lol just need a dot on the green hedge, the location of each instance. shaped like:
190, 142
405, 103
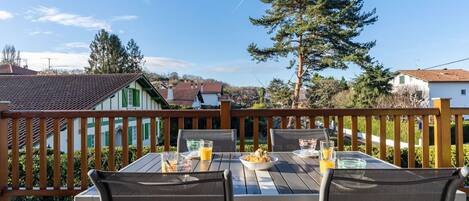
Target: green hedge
132, 157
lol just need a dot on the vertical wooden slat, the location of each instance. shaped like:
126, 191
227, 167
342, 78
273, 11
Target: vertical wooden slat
298, 122
312, 122
442, 134
326, 121
411, 140
139, 138
269, 126
284, 122
425, 142
3, 152
153, 134
181, 123
97, 143
340, 133
70, 154
112, 163
397, 140
354, 133
166, 133
57, 161
125, 141
29, 154
195, 123
15, 155
209, 123
242, 133
84, 153
42, 154
382, 137
368, 131
459, 141
255, 132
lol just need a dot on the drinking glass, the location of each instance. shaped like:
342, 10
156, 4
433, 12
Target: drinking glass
174, 162
351, 163
205, 150
305, 145
192, 145
327, 156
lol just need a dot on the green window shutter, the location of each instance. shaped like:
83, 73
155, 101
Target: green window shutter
124, 97
106, 138
129, 136
136, 97
90, 140
146, 129
401, 79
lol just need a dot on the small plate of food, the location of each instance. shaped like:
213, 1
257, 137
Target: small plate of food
259, 160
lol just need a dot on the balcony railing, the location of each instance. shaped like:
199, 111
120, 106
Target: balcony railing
41, 121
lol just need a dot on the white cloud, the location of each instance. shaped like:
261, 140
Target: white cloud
4, 15
34, 33
49, 14
124, 18
73, 45
225, 69
39, 61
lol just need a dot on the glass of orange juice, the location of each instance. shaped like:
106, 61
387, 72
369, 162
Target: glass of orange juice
205, 150
327, 156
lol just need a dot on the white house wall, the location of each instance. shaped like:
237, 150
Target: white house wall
114, 102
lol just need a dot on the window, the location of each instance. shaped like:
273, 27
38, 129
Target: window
463, 92
130, 97
130, 135
106, 138
401, 79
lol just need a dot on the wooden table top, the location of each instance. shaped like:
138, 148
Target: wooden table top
291, 176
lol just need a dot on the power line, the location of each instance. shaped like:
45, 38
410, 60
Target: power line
452, 62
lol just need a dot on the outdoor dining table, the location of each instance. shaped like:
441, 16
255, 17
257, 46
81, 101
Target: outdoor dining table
291, 178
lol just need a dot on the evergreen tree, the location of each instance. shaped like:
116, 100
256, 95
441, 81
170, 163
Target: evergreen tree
108, 55
135, 57
279, 93
314, 35
372, 83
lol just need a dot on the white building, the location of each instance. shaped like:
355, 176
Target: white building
446, 83
212, 92
184, 97
83, 92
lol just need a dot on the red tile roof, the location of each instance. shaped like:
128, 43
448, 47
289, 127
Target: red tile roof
205, 87
182, 96
449, 75
8, 69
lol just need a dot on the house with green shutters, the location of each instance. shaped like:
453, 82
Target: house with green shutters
83, 92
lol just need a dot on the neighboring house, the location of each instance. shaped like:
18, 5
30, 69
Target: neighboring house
186, 97
82, 92
8, 69
445, 83
212, 92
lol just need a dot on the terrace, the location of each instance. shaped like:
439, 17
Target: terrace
58, 173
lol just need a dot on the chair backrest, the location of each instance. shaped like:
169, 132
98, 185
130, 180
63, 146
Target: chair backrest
391, 184
287, 139
224, 140
132, 186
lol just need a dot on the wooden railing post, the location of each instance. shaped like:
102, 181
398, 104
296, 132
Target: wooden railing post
3, 152
442, 134
225, 114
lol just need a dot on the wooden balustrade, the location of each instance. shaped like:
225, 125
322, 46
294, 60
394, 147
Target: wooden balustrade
262, 120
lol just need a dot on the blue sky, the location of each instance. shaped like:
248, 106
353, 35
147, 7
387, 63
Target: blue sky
209, 37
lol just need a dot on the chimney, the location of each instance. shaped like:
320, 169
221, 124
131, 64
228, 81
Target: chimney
192, 85
170, 95
202, 87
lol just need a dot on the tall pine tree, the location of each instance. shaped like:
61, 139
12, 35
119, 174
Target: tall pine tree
135, 57
314, 35
108, 55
